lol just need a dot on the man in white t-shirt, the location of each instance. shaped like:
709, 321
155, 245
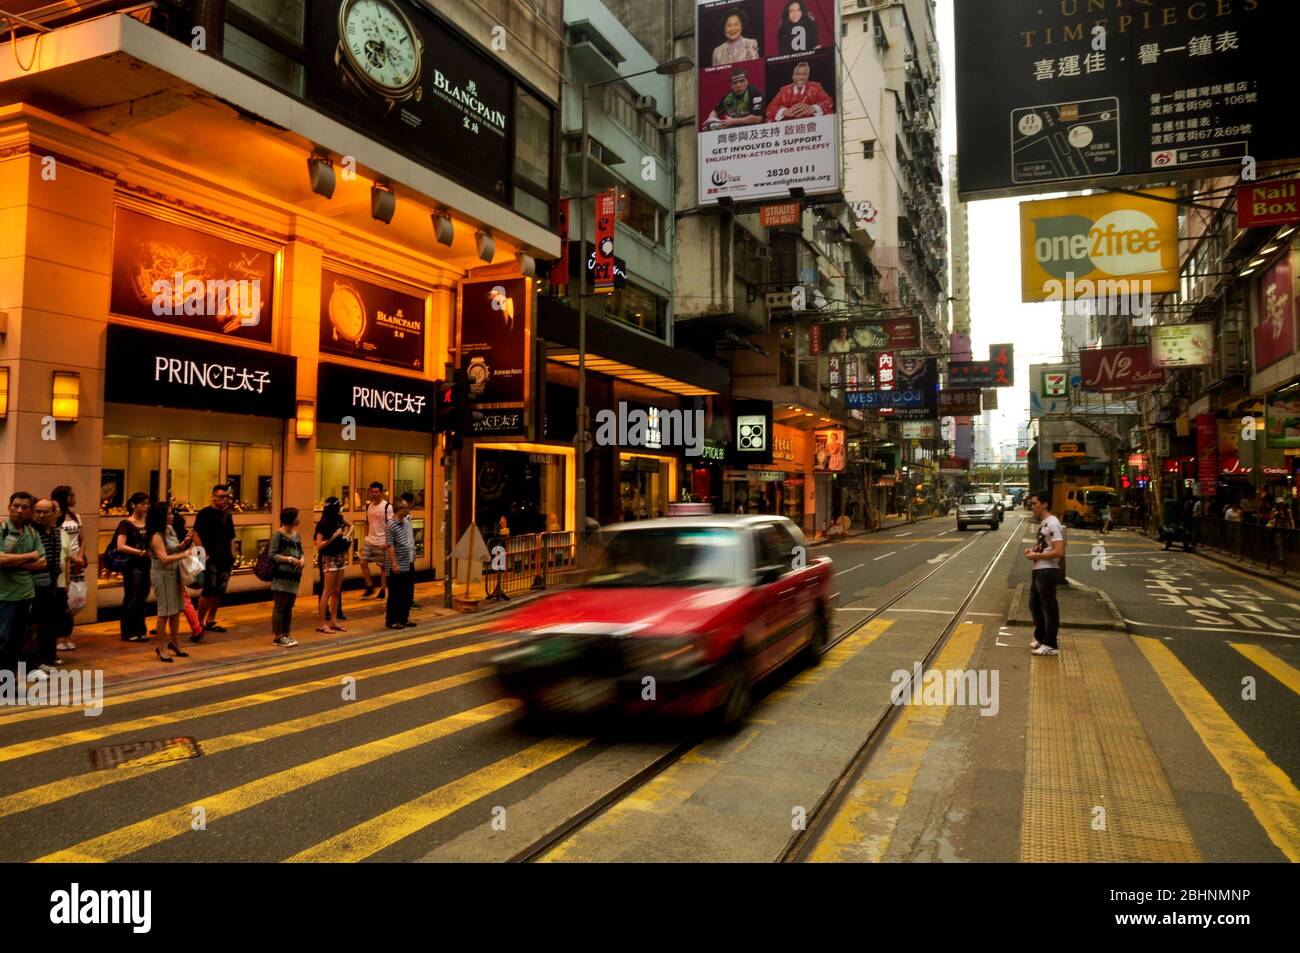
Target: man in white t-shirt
374, 548
1046, 555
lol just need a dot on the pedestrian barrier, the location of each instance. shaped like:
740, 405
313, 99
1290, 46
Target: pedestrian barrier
1273, 547
533, 562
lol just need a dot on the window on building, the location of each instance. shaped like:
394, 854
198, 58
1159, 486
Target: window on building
644, 217
638, 307
869, 148
265, 38
533, 133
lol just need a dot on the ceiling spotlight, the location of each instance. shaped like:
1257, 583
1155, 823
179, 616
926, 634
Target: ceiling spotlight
383, 202
1269, 250
321, 173
527, 264
443, 230
1286, 233
485, 245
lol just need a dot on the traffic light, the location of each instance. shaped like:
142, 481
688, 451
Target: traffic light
454, 414
445, 406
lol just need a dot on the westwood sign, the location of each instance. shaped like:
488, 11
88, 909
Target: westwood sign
1117, 369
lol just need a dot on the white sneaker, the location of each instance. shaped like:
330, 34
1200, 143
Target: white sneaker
66, 646
1034, 643
1046, 650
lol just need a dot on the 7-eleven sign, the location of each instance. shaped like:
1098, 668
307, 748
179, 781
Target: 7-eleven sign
1054, 384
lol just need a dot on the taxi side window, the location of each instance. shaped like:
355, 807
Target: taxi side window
768, 552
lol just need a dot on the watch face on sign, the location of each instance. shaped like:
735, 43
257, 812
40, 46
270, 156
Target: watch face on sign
751, 432
381, 46
347, 313
478, 374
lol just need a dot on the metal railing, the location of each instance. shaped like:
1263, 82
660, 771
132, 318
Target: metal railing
1272, 547
533, 562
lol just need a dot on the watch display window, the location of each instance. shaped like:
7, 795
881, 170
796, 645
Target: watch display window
417, 530
248, 472
130, 465
371, 468
193, 468
409, 478
251, 540
333, 476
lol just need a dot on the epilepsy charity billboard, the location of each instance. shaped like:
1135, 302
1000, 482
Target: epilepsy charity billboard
768, 98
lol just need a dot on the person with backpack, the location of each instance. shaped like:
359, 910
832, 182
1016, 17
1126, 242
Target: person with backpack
285, 551
374, 548
129, 555
333, 537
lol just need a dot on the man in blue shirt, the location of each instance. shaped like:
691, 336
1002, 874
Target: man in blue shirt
400, 561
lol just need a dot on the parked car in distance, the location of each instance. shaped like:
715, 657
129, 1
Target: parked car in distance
678, 617
978, 508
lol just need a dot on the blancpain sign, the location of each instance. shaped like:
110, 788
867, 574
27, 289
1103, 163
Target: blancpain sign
466, 98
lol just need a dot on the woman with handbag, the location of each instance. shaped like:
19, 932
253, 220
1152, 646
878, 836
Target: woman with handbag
132, 555
166, 551
74, 561
333, 536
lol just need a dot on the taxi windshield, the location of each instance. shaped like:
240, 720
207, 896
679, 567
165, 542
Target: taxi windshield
971, 499
694, 556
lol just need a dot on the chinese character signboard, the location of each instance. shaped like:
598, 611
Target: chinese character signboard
602, 267
1178, 87
960, 402
846, 337
1075, 248
885, 370
1182, 345
1111, 369
918, 430
1275, 332
768, 98
997, 371
1268, 203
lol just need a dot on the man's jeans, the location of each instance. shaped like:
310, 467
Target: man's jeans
1042, 604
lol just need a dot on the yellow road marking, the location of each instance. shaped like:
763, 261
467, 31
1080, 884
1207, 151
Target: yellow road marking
230, 678
1284, 673
65, 788
863, 827
25, 749
372, 836
676, 785
175, 822
1265, 788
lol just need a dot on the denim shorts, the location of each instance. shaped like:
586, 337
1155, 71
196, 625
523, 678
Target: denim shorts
215, 581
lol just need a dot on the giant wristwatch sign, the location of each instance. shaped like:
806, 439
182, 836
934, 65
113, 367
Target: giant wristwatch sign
394, 69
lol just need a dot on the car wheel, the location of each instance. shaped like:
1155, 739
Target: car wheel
736, 696
812, 653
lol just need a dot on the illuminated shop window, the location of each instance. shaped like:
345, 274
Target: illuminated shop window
333, 476
193, 468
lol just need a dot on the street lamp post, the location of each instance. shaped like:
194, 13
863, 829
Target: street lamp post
678, 65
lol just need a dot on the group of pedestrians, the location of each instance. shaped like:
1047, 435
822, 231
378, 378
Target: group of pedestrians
43, 583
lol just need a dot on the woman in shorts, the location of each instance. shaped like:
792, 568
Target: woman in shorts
333, 540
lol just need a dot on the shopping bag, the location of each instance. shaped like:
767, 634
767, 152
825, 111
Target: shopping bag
194, 563
76, 595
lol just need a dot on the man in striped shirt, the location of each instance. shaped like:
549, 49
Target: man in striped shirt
400, 563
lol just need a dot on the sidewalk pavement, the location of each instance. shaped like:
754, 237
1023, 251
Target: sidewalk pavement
248, 638
899, 519
1240, 563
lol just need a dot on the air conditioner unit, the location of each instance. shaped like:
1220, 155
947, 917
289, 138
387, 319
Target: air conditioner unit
646, 104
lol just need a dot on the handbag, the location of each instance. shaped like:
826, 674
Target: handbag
265, 569
114, 560
76, 595
192, 566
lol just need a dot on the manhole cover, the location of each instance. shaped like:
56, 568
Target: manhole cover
145, 752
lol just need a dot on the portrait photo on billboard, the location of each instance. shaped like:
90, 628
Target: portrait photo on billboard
732, 97
730, 33
494, 339
801, 87
828, 450
795, 27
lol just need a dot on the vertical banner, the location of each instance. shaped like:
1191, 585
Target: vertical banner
494, 342
603, 272
885, 379
1275, 332
560, 269
1207, 452
767, 85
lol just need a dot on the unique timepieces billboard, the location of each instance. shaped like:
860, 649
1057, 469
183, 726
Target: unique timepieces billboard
369, 322
768, 106
394, 69
494, 340
1052, 96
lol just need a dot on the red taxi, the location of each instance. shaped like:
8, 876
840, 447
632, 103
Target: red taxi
674, 616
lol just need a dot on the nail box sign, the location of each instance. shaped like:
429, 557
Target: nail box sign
1268, 203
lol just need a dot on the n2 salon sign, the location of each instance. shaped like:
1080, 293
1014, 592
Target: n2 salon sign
374, 400
164, 370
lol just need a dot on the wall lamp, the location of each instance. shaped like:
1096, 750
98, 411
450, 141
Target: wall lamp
320, 171
304, 425
487, 248
4, 392
527, 265
443, 229
66, 403
383, 202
